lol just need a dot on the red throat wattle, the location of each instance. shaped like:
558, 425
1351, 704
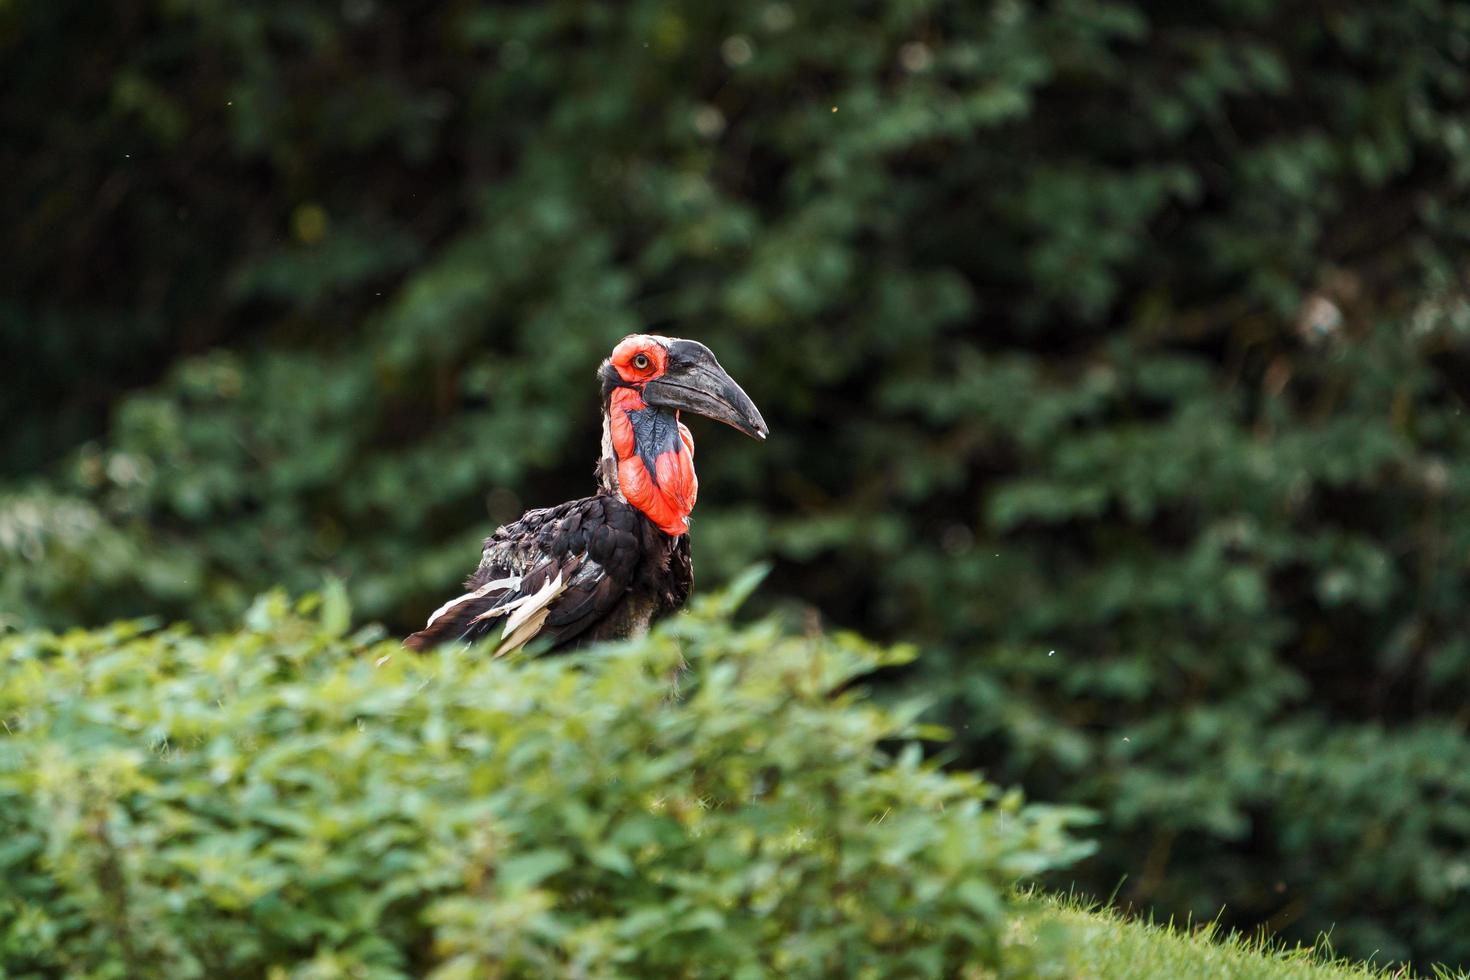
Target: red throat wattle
666, 495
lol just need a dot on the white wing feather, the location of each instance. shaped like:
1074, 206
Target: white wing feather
501, 583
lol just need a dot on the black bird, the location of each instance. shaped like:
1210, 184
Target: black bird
608, 565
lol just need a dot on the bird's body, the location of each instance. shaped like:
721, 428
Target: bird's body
606, 566
607, 572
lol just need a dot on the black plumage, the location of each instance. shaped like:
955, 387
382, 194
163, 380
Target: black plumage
603, 569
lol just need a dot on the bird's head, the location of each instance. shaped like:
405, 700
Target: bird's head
681, 375
648, 453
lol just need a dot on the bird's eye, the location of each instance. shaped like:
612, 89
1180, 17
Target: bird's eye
641, 362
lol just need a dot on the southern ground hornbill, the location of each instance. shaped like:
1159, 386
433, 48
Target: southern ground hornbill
608, 565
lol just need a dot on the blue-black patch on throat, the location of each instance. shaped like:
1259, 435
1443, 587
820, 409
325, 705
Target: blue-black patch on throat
655, 432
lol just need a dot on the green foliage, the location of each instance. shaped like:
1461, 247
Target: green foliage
291, 800
1133, 331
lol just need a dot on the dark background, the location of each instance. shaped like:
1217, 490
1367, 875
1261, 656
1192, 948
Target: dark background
1114, 353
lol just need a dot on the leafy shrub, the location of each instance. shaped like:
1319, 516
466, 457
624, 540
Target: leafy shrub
286, 798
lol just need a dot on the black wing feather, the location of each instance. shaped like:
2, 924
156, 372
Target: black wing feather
591, 548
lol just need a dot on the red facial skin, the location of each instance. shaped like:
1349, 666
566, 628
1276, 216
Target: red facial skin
667, 495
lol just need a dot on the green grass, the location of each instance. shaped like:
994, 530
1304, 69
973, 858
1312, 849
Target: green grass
1104, 944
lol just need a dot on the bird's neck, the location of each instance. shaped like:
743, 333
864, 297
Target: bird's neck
648, 460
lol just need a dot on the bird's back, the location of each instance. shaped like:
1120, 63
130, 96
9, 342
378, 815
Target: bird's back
595, 568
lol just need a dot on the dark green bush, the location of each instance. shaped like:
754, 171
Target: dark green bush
292, 801
1135, 331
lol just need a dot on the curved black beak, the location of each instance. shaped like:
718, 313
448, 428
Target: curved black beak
694, 382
